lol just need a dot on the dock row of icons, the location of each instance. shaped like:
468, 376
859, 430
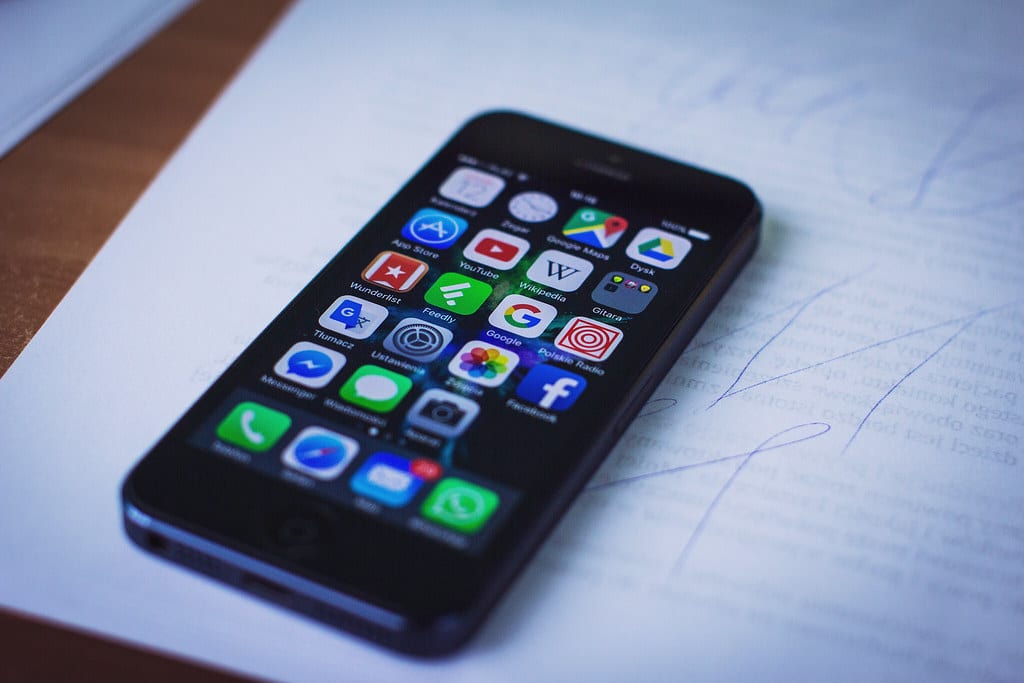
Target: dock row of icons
386, 478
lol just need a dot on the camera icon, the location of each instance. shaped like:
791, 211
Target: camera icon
443, 413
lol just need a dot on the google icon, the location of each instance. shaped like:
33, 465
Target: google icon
522, 315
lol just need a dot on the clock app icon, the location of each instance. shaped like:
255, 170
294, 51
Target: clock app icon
533, 207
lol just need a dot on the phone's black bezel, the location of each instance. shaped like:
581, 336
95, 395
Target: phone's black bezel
440, 593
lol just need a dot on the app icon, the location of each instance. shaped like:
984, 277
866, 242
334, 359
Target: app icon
623, 292
353, 317
320, 453
588, 338
522, 315
395, 271
551, 387
483, 363
457, 293
434, 228
460, 505
496, 249
596, 228
309, 364
375, 388
560, 270
658, 248
533, 207
418, 339
470, 186
443, 413
253, 427
391, 479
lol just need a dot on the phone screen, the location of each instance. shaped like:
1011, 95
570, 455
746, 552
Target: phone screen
443, 376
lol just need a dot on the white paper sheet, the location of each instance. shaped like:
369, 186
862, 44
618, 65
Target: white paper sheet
826, 486
50, 51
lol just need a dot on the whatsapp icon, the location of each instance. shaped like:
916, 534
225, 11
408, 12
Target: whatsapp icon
460, 505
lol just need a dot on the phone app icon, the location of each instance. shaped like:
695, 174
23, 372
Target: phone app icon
623, 292
433, 228
391, 479
559, 270
470, 186
596, 228
309, 364
460, 505
395, 271
588, 338
443, 413
418, 339
551, 387
353, 317
496, 249
320, 453
522, 315
483, 363
457, 293
375, 388
254, 427
658, 248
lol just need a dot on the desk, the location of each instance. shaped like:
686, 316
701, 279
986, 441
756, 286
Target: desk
62, 191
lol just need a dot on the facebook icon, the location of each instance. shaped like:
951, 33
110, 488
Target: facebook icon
551, 387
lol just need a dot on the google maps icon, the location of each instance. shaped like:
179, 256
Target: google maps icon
596, 228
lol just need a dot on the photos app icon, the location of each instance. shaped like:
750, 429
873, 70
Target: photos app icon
483, 363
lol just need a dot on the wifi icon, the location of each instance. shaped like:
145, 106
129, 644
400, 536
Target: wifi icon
457, 293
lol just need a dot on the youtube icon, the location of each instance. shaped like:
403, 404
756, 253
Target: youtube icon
496, 249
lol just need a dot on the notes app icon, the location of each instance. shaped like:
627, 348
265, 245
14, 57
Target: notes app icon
595, 228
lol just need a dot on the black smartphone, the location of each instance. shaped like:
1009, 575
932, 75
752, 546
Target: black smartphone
393, 447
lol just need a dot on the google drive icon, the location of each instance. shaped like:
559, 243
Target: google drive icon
658, 248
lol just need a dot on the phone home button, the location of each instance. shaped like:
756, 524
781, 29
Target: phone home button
298, 531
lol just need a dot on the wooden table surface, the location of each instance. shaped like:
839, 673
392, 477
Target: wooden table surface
63, 190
